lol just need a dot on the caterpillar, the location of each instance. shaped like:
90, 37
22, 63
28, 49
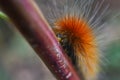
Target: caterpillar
78, 25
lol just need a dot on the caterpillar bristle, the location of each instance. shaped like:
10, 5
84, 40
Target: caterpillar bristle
78, 24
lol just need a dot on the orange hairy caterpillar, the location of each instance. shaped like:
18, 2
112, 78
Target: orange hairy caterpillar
78, 41
78, 25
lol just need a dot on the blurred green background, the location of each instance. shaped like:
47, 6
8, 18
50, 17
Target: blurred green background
18, 61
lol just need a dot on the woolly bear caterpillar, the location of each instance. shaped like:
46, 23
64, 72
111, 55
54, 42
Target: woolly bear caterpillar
78, 25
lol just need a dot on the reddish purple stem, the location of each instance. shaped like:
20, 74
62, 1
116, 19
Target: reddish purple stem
30, 22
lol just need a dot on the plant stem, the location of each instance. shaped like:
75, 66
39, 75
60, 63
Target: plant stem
30, 22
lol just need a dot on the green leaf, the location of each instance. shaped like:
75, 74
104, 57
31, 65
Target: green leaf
3, 16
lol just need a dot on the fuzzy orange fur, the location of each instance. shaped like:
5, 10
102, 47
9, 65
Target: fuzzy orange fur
81, 36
